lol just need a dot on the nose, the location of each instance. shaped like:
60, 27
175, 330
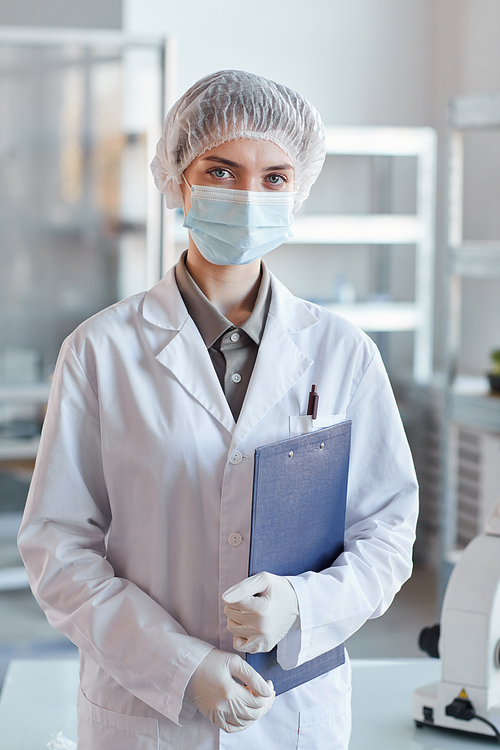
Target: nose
250, 182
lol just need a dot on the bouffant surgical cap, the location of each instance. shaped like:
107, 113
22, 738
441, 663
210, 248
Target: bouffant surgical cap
234, 104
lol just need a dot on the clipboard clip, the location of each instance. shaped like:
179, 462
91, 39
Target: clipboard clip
312, 405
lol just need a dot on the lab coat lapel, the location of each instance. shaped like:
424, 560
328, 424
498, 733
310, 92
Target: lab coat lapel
186, 355
280, 362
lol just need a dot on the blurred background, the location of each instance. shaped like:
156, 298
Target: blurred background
401, 231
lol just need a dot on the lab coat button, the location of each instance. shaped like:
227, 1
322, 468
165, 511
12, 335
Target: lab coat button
235, 336
236, 457
236, 377
235, 539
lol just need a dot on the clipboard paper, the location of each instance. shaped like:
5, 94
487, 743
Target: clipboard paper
298, 521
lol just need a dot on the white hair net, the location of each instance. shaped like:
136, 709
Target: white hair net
235, 104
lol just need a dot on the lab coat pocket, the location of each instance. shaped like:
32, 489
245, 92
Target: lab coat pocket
327, 726
301, 425
102, 729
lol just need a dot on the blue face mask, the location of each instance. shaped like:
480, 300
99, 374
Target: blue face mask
235, 227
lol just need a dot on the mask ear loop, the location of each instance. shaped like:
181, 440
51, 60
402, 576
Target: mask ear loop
190, 190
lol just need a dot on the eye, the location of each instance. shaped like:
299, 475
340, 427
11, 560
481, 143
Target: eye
220, 173
277, 179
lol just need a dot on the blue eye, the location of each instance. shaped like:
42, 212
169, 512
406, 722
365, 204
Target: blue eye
219, 172
276, 179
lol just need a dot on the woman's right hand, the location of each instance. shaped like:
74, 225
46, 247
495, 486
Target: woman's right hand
228, 704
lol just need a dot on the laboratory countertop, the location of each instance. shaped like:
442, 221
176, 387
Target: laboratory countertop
39, 699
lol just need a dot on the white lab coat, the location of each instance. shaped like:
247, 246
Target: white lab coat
142, 476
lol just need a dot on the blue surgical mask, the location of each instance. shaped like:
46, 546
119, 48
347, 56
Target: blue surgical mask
235, 227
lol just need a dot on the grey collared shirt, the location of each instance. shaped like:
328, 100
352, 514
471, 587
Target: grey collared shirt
233, 350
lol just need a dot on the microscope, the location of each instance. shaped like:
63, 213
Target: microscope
467, 641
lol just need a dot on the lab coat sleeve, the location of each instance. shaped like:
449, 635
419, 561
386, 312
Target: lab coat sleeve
380, 528
62, 541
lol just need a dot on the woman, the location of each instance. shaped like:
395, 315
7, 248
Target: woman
136, 532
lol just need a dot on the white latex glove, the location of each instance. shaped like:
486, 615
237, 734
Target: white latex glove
261, 610
228, 704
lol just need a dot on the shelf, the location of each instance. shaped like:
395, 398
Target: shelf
375, 229
380, 316
469, 403
479, 411
476, 260
473, 405
365, 141
12, 579
29, 393
31, 36
11, 450
328, 229
475, 111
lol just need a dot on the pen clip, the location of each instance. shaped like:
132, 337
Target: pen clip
312, 406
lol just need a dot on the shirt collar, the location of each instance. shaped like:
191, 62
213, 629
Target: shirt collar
210, 322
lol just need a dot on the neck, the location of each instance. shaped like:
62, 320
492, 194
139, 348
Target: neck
231, 289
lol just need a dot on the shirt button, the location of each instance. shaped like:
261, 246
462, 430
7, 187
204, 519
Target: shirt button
235, 336
236, 457
236, 377
235, 539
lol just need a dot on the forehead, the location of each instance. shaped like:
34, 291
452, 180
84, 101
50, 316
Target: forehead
248, 152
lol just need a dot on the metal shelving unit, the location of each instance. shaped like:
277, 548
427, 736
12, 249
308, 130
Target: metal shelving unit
468, 404
34, 393
389, 229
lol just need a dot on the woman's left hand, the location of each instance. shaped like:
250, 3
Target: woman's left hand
261, 610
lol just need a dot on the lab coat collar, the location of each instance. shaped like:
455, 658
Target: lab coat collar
291, 312
163, 305
186, 355
187, 358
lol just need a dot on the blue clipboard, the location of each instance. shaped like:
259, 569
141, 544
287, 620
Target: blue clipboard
298, 523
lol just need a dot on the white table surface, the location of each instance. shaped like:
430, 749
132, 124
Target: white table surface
39, 699
382, 693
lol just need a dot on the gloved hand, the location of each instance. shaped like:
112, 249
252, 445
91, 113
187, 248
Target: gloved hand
261, 610
217, 695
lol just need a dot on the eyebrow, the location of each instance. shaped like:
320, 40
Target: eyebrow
229, 163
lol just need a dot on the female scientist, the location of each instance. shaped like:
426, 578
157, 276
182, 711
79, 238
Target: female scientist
136, 531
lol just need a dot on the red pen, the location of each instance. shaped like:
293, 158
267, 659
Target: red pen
312, 406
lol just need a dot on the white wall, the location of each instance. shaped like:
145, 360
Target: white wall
343, 55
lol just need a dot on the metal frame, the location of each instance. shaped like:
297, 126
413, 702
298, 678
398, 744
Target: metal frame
160, 246
168, 256
159, 234
471, 259
29, 35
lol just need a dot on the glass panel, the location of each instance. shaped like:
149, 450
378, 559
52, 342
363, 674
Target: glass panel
78, 125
